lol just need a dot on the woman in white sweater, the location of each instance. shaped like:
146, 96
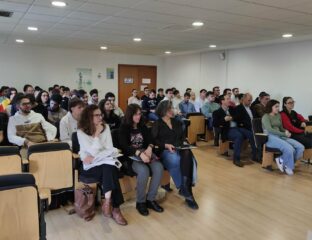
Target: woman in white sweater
100, 160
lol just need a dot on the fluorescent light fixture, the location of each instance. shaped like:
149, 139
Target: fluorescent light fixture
32, 28
59, 3
137, 39
212, 46
19, 40
167, 52
103, 48
197, 24
287, 35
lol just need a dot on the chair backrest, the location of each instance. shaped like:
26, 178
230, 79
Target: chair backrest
10, 160
75, 143
115, 137
4, 118
310, 118
197, 123
19, 207
257, 125
52, 165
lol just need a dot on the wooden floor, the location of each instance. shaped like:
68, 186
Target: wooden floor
235, 203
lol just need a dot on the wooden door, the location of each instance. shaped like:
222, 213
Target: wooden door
134, 77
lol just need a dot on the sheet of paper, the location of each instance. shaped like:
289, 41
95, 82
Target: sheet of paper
146, 81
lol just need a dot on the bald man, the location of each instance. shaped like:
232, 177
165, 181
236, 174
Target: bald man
243, 117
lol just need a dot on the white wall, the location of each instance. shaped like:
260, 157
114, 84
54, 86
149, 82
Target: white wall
280, 69
21, 64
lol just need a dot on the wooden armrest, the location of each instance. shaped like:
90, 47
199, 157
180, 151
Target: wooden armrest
261, 134
75, 155
45, 193
25, 161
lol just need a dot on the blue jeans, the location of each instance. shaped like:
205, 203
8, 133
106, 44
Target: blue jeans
290, 148
152, 116
171, 162
238, 135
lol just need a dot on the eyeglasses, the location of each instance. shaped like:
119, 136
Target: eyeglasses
26, 104
292, 102
97, 115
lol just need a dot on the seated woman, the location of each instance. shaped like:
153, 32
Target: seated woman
295, 123
134, 98
279, 138
42, 105
99, 160
168, 136
135, 142
108, 114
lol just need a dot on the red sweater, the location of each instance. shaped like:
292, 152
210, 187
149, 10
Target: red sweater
288, 125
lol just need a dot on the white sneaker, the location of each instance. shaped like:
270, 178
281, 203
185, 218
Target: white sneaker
288, 171
279, 163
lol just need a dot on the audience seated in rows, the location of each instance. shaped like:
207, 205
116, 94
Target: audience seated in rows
23, 127
134, 99
108, 114
149, 105
160, 94
168, 135
280, 138
55, 112
135, 142
209, 107
94, 97
216, 92
186, 106
259, 108
99, 160
146, 94
200, 100
225, 118
295, 123
69, 122
42, 103
117, 110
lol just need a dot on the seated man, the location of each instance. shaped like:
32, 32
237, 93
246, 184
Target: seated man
94, 94
243, 117
186, 106
55, 112
27, 127
222, 118
209, 107
117, 110
199, 102
68, 124
149, 105
259, 108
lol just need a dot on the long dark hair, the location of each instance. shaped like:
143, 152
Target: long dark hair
38, 98
270, 104
85, 123
102, 108
130, 111
285, 99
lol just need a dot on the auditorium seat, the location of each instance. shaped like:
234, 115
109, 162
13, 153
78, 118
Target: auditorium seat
52, 166
268, 154
10, 160
197, 126
20, 208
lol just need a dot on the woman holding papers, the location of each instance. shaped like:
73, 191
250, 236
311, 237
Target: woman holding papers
168, 135
135, 142
100, 160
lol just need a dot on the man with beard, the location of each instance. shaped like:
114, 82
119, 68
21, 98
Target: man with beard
27, 127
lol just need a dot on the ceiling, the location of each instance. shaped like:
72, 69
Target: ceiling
162, 24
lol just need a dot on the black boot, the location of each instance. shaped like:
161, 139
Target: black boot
186, 192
